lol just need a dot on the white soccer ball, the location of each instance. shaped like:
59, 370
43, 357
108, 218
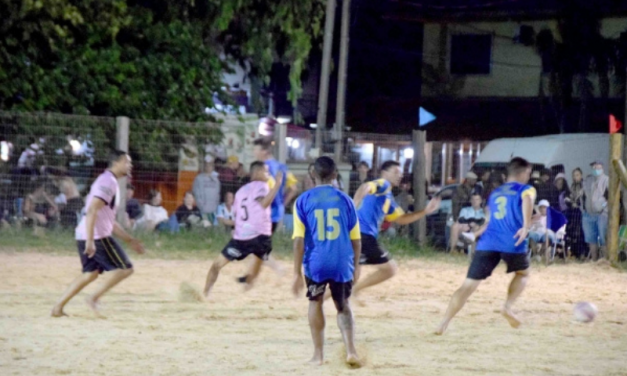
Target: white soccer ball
585, 312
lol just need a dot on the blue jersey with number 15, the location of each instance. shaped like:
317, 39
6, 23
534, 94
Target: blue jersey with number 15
506, 218
326, 218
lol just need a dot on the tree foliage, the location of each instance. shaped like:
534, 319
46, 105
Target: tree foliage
160, 59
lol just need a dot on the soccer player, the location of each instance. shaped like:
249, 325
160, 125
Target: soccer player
98, 250
502, 237
262, 150
327, 246
374, 202
253, 226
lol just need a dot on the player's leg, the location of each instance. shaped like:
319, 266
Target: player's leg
315, 293
373, 254
519, 265
255, 268
382, 273
111, 258
214, 271
74, 288
483, 263
345, 320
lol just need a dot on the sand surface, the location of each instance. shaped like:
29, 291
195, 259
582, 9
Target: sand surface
150, 331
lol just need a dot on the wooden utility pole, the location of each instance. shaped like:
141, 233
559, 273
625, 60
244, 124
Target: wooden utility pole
419, 139
616, 151
341, 79
325, 70
122, 124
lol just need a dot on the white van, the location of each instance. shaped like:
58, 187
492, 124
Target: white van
560, 152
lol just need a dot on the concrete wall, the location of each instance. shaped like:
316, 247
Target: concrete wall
515, 69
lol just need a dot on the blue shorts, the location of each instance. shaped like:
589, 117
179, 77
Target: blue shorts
109, 256
594, 228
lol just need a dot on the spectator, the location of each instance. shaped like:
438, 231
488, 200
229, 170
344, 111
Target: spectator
544, 186
29, 156
461, 196
538, 231
338, 183
187, 215
483, 184
155, 217
470, 219
405, 198
39, 207
560, 193
309, 182
71, 200
206, 190
358, 178
226, 214
574, 230
594, 209
133, 208
228, 174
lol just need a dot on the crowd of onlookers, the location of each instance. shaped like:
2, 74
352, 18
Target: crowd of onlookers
574, 216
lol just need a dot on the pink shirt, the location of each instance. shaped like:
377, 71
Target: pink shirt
251, 219
106, 189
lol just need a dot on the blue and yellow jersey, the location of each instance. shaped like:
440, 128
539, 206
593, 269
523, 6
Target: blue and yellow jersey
506, 218
326, 218
377, 206
278, 206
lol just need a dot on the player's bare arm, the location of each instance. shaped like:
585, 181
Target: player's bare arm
119, 232
527, 209
299, 252
267, 201
291, 193
226, 222
408, 218
363, 191
357, 256
90, 222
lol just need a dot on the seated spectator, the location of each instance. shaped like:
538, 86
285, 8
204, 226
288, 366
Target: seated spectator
538, 232
70, 201
187, 215
155, 217
461, 196
39, 207
470, 219
133, 208
225, 215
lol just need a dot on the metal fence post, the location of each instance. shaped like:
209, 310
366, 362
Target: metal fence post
281, 141
121, 143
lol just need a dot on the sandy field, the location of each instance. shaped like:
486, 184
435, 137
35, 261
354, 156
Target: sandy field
151, 330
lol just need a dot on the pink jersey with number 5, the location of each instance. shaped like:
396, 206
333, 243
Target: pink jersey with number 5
251, 219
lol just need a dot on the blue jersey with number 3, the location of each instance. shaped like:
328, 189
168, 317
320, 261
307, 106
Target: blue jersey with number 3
506, 218
326, 218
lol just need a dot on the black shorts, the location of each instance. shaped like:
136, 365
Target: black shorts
340, 291
237, 250
484, 262
274, 226
371, 252
109, 256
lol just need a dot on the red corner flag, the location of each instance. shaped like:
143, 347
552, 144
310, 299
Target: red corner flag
615, 125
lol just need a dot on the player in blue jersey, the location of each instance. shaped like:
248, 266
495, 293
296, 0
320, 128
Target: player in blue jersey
502, 237
375, 203
262, 150
327, 246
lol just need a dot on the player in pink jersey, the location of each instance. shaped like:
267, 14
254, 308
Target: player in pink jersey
98, 250
253, 225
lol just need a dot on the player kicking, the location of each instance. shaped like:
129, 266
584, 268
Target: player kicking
327, 246
99, 252
253, 226
375, 203
502, 237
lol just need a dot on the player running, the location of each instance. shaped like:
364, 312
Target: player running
374, 202
327, 246
262, 150
253, 226
502, 237
98, 250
